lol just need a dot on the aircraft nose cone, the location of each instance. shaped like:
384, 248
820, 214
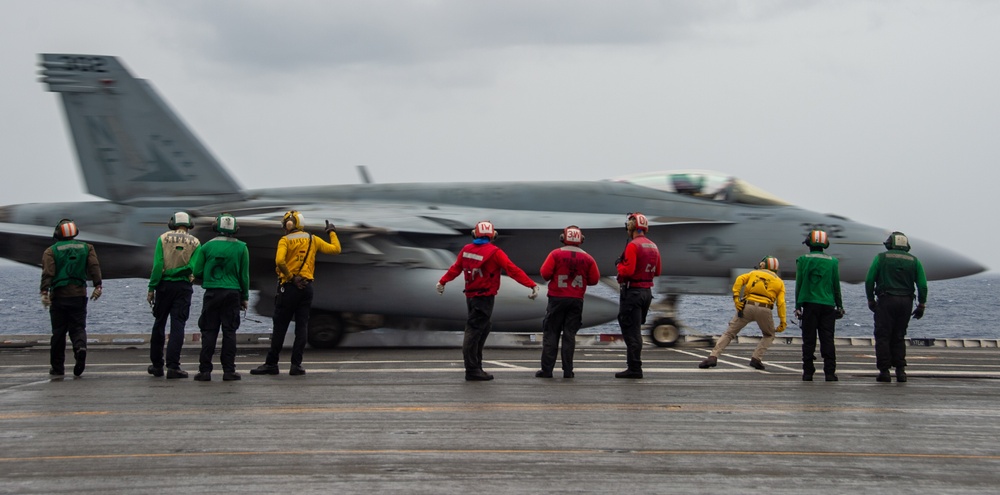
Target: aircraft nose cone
941, 263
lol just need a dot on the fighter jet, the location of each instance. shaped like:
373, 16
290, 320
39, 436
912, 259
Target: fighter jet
398, 239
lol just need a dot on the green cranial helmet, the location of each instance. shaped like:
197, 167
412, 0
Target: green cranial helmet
180, 219
769, 263
897, 240
817, 238
225, 224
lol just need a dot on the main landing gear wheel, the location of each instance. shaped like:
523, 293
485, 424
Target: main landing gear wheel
326, 330
664, 332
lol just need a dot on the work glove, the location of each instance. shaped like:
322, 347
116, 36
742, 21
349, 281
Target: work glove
534, 293
46, 302
330, 227
739, 304
149, 297
840, 312
781, 327
440, 288
872, 305
919, 312
798, 313
96, 294
244, 305
300, 282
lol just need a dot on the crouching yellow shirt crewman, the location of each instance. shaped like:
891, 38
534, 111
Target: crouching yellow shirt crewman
761, 290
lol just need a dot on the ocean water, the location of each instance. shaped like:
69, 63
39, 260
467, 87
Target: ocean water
959, 308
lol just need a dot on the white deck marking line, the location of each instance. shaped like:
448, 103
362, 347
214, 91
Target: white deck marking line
507, 365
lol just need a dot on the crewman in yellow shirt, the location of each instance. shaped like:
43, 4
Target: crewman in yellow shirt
755, 294
295, 262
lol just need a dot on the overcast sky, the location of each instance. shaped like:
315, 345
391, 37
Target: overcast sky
884, 112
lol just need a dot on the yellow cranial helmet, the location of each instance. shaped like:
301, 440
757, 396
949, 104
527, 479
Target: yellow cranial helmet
293, 220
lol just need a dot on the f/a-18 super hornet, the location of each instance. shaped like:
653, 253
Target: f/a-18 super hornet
398, 239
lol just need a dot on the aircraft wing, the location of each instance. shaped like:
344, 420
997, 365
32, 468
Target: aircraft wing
27, 242
418, 218
45, 233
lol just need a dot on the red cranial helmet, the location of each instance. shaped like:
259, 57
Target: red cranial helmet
484, 229
572, 235
637, 221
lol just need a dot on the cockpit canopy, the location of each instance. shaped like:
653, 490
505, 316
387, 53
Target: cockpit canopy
709, 185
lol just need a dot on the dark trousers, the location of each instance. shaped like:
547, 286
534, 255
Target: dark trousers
821, 320
221, 308
173, 301
69, 316
477, 328
633, 305
563, 316
892, 316
291, 303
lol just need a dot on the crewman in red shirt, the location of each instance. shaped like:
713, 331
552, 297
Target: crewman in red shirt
569, 270
637, 267
481, 261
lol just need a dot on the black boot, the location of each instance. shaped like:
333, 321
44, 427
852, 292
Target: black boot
629, 374
900, 374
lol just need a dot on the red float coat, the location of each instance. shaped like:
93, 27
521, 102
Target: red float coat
569, 271
481, 264
640, 263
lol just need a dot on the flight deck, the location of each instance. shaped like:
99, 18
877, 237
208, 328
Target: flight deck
403, 420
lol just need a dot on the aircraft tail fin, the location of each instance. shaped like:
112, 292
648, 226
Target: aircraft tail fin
131, 145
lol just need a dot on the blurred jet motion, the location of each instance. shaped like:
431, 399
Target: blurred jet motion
399, 238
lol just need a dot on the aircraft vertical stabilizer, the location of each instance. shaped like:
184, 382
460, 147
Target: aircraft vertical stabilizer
130, 144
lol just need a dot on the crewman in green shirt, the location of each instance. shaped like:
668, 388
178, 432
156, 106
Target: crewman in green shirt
170, 293
66, 266
223, 265
818, 304
892, 278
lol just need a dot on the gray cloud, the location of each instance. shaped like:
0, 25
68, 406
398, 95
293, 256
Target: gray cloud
293, 35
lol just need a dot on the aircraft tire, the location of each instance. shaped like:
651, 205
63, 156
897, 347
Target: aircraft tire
664, 332
326, 330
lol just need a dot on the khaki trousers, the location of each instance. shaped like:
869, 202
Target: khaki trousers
764, 319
